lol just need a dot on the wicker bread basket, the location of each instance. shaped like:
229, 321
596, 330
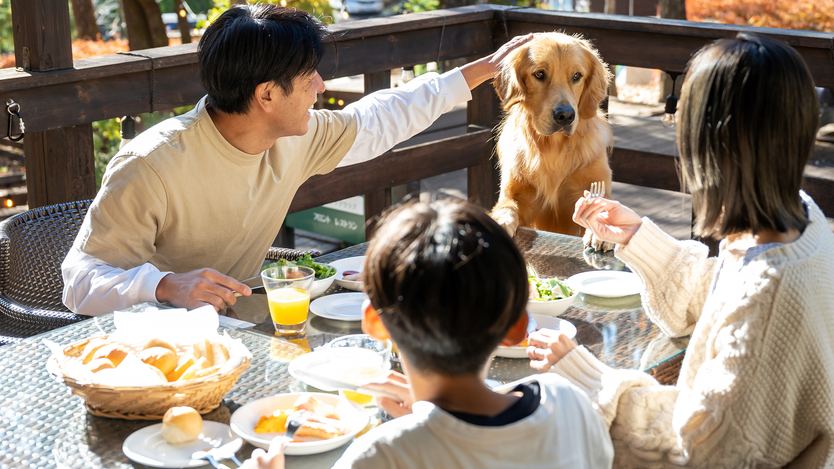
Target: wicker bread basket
148, 402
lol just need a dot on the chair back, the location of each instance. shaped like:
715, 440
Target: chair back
33, 245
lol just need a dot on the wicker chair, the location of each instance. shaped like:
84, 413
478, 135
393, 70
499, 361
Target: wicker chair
33, 245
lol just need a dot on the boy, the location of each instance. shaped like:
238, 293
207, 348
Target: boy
446, 284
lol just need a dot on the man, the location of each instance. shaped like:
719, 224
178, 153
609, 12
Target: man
192, 204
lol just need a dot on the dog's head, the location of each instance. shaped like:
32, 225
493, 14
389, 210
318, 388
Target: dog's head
557, 79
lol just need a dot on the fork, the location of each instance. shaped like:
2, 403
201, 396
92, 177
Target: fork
597, 190
294, 422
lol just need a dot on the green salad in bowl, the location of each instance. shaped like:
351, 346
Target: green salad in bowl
549, 296
325, 274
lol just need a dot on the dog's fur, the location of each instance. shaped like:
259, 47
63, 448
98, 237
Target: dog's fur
546, 166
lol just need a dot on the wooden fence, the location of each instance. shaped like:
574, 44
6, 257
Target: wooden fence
59, 105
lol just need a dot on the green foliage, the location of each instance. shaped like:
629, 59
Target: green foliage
417, 6
197, 6
319, 8
6, 37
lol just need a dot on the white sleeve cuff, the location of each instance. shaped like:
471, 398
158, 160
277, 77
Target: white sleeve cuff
582, 369
457, 85
650, 252
147, 284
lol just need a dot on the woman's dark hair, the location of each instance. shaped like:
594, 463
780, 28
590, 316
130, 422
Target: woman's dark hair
748, 120
253, 44
448, 283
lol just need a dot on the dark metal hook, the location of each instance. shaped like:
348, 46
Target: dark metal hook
13, 109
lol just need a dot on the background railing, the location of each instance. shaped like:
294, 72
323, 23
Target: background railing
56, 104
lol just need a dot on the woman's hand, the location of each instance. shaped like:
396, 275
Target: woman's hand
397, 384
487, 67
545, 347
260, 459
609, 220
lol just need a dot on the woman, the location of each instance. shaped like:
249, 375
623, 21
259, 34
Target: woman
755, 388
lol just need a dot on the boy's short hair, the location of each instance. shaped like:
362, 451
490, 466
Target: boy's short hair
448, 283
253, 44
748, 119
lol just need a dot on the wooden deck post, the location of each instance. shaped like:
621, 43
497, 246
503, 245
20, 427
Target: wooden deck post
484, 180
379, 200
59, 163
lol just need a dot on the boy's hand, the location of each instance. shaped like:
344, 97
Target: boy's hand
395, 383
260, 459
546, 347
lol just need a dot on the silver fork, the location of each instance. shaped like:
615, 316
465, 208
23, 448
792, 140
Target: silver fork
294, 422
597, 190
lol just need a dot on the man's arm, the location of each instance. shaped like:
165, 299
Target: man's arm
388, 117
93, 287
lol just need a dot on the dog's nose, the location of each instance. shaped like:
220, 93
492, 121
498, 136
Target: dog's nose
564, 115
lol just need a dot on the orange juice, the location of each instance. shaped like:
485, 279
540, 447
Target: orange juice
288, 306
359, 398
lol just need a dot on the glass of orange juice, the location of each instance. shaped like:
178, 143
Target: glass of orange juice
288, 293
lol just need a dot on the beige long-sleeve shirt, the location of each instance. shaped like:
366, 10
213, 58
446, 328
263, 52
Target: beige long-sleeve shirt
756, 387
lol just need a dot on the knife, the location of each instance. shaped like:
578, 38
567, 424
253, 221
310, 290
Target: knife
255, 283
337, 384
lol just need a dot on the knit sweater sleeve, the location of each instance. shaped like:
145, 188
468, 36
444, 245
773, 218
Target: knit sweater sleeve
710, 418
676, 274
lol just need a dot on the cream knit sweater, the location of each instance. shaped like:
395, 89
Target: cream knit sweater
756, 387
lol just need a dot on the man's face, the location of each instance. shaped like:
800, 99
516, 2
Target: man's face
295, 114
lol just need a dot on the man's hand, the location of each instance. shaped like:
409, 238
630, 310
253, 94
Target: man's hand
397, 384
198, 288
486, 68
546, 347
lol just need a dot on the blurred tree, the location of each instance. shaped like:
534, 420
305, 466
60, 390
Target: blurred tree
182, 21
143, 20
84, 16
318, 8
6, 36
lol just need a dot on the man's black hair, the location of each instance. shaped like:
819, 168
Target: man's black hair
253, 44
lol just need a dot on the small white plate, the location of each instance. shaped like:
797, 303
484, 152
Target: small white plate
542, 322
335, 362
244, 420
339, 306
350, 263
146, 446
607, 283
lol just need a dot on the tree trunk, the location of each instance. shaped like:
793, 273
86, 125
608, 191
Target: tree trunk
611, 7
676, 10
85, 20
145, 28
182, 22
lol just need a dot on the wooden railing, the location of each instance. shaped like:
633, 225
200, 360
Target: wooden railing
158, 79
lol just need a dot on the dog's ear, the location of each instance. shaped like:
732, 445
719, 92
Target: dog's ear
596, 85
508, 84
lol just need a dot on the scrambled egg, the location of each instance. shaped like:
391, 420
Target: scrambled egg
275, 423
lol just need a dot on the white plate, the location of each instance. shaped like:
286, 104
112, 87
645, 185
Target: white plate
542, 322
334, 362
146, 446
339, 306
350, 263
607, 283
244, 420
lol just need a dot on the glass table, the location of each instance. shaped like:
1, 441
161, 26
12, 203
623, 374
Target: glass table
42, 425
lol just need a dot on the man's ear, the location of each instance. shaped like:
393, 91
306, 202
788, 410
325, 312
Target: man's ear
265, 96
372, 324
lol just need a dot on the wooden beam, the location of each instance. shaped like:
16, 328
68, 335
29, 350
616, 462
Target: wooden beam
59, 163
484, 179
395, 167
379, 199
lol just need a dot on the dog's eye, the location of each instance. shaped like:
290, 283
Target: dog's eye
576, 77
539, 75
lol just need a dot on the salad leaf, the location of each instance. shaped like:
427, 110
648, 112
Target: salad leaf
548, 289
322, 271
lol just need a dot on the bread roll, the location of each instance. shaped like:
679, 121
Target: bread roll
115, 352
206, 371
161, 343
92, 346
185, 362
158, 373
219, 354
191, 372
160, 357
181, 425
100, 364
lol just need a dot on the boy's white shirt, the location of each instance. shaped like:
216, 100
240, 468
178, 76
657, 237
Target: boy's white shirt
385, 118
563, 432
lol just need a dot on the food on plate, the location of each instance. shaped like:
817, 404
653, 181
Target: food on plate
548, 289
352, 275
322, 271
323, 424
162, 358
113, 351
181, 425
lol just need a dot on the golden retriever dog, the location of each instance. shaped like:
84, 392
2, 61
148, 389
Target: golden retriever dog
554, 139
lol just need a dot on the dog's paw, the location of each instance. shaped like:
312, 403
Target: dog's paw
591, 242
507, 219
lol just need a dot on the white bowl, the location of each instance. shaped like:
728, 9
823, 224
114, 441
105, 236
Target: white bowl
321, 285
351, 263
551, 308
